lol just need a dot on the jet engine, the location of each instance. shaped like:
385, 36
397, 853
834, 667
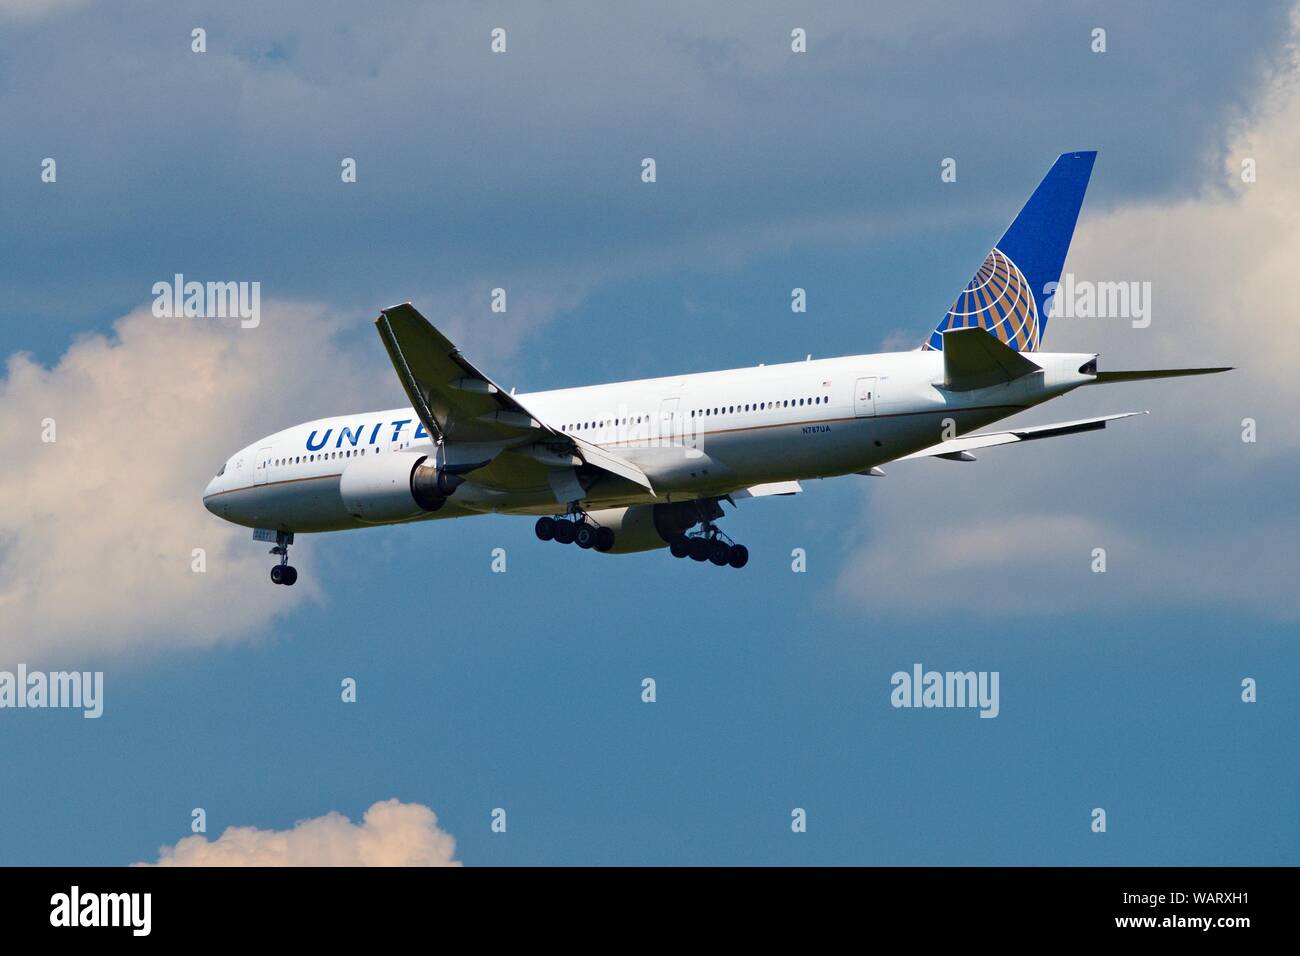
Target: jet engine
395, 487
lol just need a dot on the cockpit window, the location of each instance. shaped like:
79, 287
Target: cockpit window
222, 470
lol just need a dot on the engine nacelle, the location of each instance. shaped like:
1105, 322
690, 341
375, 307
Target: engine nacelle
646, 527
395, 487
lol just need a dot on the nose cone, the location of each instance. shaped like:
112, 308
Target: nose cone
209, 497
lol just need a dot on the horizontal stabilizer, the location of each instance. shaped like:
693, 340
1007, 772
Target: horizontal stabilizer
1104, 378
972, 358
955, 447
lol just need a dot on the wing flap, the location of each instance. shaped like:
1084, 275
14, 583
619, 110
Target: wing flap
610, 462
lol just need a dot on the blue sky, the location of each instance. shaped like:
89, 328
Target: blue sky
522, 690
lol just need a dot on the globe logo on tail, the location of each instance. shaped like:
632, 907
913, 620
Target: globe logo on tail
998, 299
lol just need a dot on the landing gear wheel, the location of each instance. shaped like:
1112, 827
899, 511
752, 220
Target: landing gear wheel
545, 528
290, 575
584, 535
699, 549
680, 546
739, 556
604, 539
719, 552
282, 573
564, 531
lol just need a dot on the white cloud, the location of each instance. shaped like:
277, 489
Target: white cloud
1189, 514
98, 529
391, 833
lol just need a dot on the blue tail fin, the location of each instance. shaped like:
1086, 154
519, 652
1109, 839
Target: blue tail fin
1009, 295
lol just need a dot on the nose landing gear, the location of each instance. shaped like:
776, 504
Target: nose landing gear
284, 572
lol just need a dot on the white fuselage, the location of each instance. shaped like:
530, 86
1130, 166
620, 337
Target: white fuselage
694, 436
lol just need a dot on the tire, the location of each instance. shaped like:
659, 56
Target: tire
545, 529
604, 539
739, 556
564, 532
277, 574
290, 575
719, 552
680, 546
699, 549
584, 536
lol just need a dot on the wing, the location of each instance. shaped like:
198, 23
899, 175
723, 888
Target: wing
454, 400
959, 449
459, 404
769, 489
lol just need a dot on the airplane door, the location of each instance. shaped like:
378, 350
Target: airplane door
669, 424
864, 397
262, 465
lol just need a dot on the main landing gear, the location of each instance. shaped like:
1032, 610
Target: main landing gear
710, 544
575, 528
284, 572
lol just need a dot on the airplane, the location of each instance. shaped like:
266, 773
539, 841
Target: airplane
643, 465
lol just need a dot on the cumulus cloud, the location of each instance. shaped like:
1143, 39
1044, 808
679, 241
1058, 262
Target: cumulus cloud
534, 160
1188, 513
391, 833
97, 539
